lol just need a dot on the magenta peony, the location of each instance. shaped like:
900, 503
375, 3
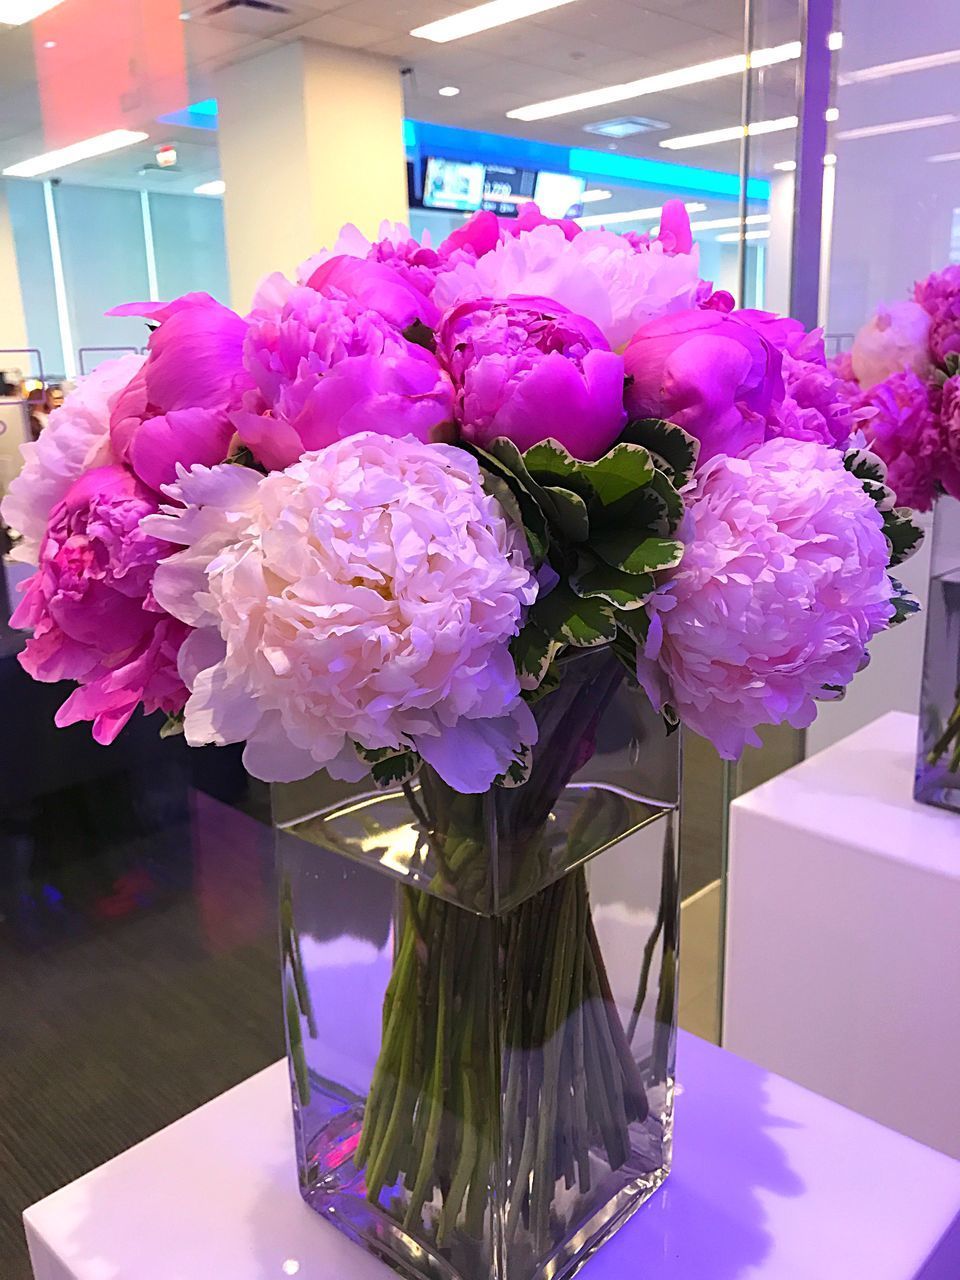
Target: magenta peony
328, 367
366, 594
815, 405
375, 286
939, 295
713, 374
782, 585
91, 609
905, 432
176, 410
76, 439
528, 369
950, 434
895, 339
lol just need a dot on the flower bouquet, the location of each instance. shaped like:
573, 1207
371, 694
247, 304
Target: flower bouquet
903, 382
452, 539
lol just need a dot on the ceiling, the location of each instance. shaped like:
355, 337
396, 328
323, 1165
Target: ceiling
582, 45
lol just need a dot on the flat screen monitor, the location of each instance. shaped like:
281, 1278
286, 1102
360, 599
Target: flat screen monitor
453, 184
505, 188
558, 193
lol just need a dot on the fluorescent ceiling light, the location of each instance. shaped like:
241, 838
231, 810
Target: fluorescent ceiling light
785, 166
720, 224
895, 126
685, 141
747, 235
481, 18
16, 12
598, 193
943, 157
85, 150
698, 74
901, 68
632, 215
829, 159
448, 91
215, 188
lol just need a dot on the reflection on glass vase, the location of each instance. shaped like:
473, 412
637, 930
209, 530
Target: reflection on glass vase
480, 994
938, 752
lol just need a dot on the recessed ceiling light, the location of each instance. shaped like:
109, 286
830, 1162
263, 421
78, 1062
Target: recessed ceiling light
215, 188
720, 224
85, 150
896, 126
903, 67
943, 157
747, 235
632, 215
698, 74
829, 159
448, 91
482, 18
835, 40
785, 166
49, 44
685, 141
16, 12
598, 193
831, 114
625, 126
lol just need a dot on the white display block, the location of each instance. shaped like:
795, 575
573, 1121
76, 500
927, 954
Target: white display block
770, 1182
843, 934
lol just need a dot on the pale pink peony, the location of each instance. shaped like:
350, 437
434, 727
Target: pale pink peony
91, 609
895, 339
598, 274
76, 439
782, 585
367, 593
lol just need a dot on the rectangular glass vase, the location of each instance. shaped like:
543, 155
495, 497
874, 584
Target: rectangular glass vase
480, 994
938, 750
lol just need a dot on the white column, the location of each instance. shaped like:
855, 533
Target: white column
13, 325
311, 137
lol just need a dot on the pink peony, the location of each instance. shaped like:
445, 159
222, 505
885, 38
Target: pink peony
713, 374
76, 439
895, 339
815, 405
484, 231
92, 611
598, 274
366, 594
905, 432
328, 367
528, 369
939, 295
375, 286
950, 435
177, 409
782, 585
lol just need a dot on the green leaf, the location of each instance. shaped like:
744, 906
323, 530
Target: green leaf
583, 623
518, 772
627, 591
396, 770
550, 463
625, 650
533, 651
646, 555
634, 624
567, 511
952, 364
904, 604
903, 535
865, 466
550, 681
674, 450
173, 726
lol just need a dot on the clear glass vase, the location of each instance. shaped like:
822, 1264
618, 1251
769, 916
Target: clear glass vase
480, 994
938, 751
